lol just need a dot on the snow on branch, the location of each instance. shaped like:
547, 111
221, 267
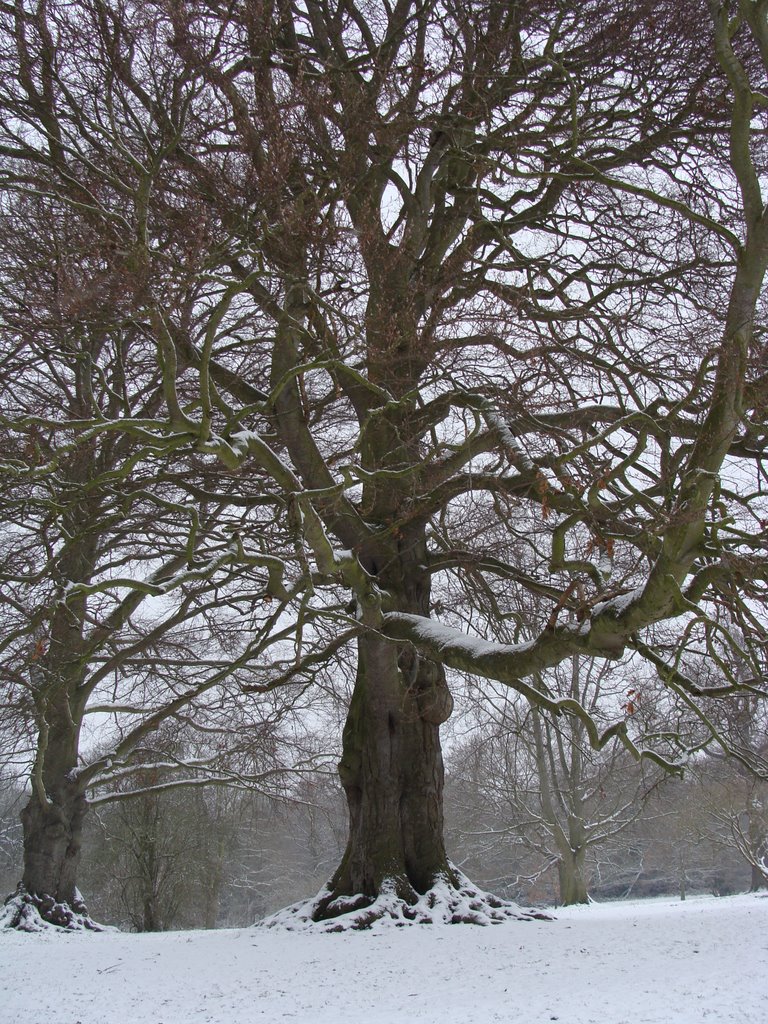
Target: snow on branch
511, 664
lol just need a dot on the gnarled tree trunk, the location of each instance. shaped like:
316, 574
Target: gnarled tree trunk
392, 765
52, 841
53, 819
53, 825
395, 863
392, 774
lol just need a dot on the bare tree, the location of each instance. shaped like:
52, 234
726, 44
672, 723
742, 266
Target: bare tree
737, 802
117, 574
536, 783
448, 268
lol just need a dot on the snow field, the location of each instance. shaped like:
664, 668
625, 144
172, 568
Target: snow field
642, 962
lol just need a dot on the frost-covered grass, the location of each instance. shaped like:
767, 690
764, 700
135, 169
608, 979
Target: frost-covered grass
651, 962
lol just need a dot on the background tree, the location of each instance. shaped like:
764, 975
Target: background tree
536, 782
738, 801
117, 574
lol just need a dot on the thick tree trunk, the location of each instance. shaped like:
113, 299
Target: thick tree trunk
53, 818
392, 774
52, 841
395, 864
52, 824
392, 765
571, 878
48, 893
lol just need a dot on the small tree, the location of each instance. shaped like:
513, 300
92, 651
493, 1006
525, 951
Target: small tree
538, 783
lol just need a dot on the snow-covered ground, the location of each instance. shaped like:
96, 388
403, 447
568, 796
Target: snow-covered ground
666, 962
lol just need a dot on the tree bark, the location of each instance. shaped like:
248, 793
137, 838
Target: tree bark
392, 774
48, 893
52, 842
571, 878
758, 880
392, 766
52, 821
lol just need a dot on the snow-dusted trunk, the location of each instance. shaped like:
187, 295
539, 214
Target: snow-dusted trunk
758, 840
52, 824
53, 818
392, 766
561, 802
571, 877
572, 855
52, 841
392, 774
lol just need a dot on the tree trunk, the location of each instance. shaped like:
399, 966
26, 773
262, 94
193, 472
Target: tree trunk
48, 894
571, 878
150, 917
52, 824
53, 818
683, 875
758, 880
392, 766
52, 841
392, 774
215, 880
395, 864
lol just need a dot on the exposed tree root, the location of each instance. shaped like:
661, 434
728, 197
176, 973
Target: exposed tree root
444, 903
27, 912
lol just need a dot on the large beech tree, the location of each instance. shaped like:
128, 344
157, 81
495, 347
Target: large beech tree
475, 288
